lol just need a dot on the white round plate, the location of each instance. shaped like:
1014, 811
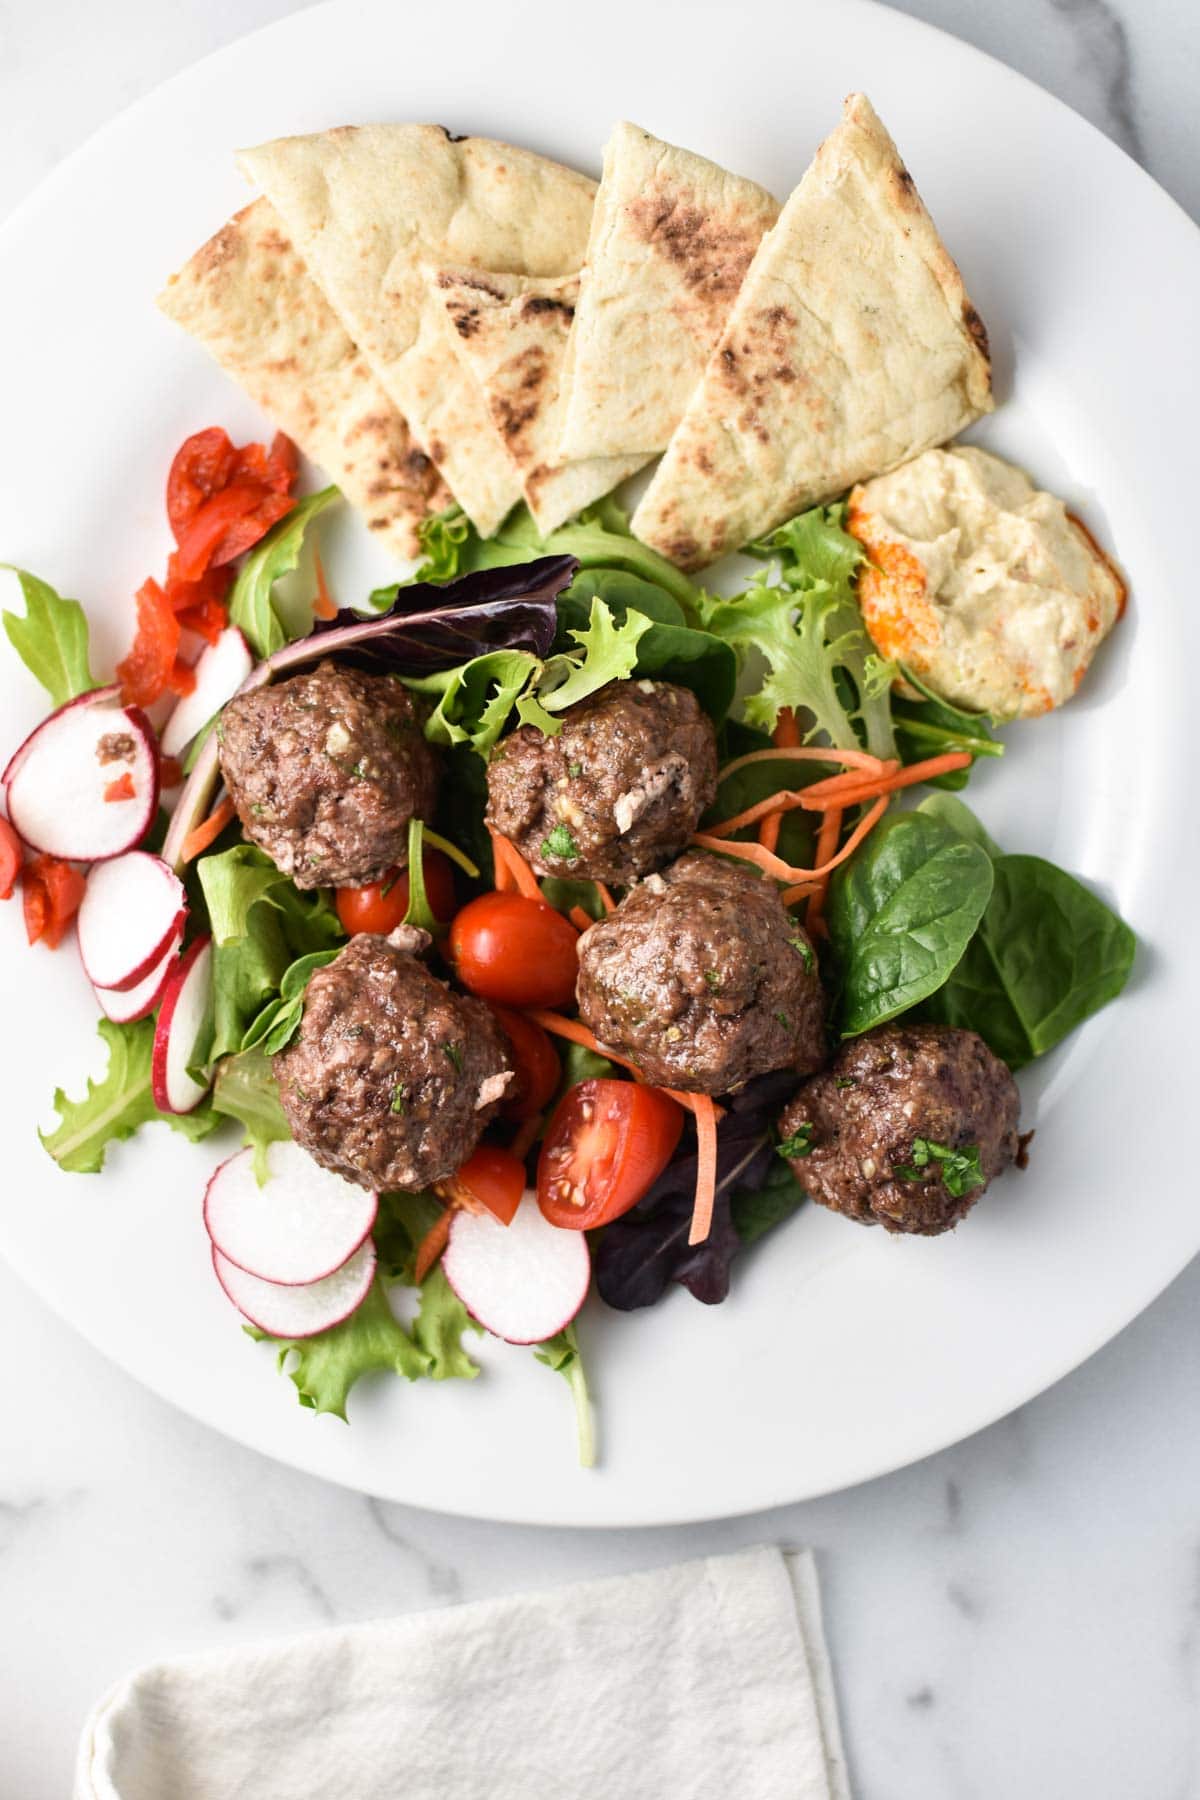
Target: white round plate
841, 1353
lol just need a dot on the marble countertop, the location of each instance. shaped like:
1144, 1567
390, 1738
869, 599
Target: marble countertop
1018, 1616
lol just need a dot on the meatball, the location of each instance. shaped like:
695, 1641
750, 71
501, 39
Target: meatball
392, 1076
703, 980
326, 770
905, 1129
617, 793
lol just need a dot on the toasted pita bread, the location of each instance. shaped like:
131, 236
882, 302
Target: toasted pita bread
250, 301
851, 348
672, 237
511, 332
366, 206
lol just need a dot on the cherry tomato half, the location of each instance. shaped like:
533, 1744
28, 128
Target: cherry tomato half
606, 1145
381, 905
515, 951
491, 1179
538, 1068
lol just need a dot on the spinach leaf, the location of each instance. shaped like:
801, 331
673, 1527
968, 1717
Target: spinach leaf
51, 639
1047, 955
931, 726
901, 914
756, 1210
959, 817
251, 605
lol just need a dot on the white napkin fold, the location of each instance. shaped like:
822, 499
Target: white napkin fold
708, 1679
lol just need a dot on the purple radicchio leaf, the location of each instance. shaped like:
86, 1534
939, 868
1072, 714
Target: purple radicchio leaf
642, 1252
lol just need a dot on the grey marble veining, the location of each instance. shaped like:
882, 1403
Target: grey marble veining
1016, 1619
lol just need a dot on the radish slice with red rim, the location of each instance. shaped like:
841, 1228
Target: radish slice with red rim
298, 1312
123, 1007
299, 1226
522, 1281
185, 1011
58, 780
133, 906
220, 672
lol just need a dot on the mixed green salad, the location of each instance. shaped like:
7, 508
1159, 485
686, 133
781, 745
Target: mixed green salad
914, 915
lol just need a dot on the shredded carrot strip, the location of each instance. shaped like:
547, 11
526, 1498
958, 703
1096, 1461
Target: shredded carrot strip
582, 921
888, 784
579, 1034
802, 891
774, 806
606, 899
324, 606
853, 759
786, 735
769, 829
781, 871
706, 1168
203, 835
827, 843
834, 786
432, 1245
526, 1137
502, 879
523, 877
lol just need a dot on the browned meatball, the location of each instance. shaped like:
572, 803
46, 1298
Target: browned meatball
392, 1076
326, 770
905, 1128
618, 792
703, 980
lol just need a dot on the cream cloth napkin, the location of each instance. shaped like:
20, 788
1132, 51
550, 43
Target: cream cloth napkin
705, 1681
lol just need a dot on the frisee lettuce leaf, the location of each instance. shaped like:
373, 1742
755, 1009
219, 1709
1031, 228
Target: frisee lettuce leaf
441, 1320
245, 1089
252, 604
51, 639
117, 1104
801, 618
562, 1354
324, 1368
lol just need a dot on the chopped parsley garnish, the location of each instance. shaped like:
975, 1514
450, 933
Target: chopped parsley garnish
561, 844
574, 770
712, 977
800, 1142
960, 1169
845, 1081
455, 1054
399, 1098
358, 771
783, 1020
803, 950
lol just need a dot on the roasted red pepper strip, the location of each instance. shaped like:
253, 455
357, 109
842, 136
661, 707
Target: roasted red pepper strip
121, 789
10, 859
51, 891
147, 670
203, 465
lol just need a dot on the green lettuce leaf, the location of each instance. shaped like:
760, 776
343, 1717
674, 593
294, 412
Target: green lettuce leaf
51, 639
245, 1089
474, 700
800, 625
115, 1106
755, 1211
441, 1320
279, 1021
252, 604
400, 1225
232, 881
562, 1354
610, 653
325, 1368
671, 650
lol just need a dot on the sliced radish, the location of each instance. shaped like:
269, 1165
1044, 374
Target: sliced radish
220, 672
124, 1006
58, 778
181, 1019
134, 905
298, 1312
523, 1281
301, 1225
193, 802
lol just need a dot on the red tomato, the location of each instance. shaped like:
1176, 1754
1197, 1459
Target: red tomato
51, 892
515, 951
538, 1068
10, 859
381, 905
492, 1180
606, 1145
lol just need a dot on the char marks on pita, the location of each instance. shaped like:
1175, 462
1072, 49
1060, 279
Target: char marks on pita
672, 237
511, 333
851, 347
248, 298
367, 207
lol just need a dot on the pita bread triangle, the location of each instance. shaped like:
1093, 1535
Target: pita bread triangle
851, 347
511, 333
366, 206
672, 237
248, 298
